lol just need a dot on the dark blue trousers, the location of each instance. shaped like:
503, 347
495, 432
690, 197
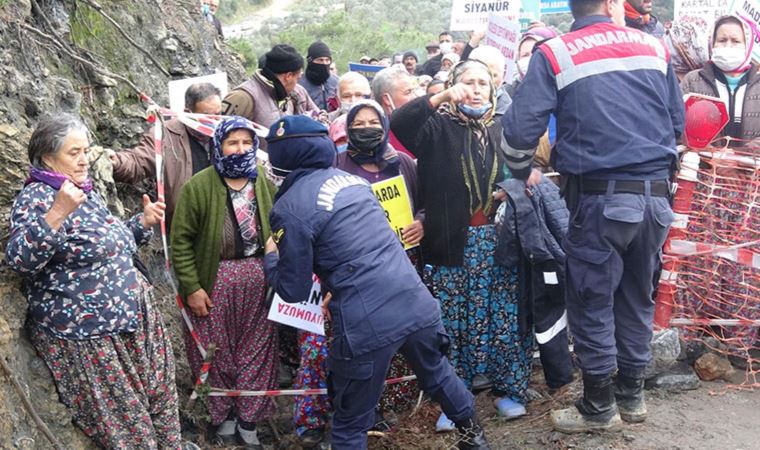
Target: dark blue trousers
612, 247
355, 385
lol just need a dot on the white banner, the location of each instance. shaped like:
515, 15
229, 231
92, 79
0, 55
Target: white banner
177, 88
749, 11
469, 15
707, 10
306, 315
504, 34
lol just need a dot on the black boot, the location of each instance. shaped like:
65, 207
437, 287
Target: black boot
629, 395
595, 411
471, 435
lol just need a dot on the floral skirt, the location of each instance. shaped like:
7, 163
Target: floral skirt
246, 342
120, 389
479, 310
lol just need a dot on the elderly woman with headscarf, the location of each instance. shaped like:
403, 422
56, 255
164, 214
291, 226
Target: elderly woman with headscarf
459, 161
731, 76
91, 312
218, 234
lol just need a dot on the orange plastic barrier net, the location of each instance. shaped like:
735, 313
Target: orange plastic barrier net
710, 283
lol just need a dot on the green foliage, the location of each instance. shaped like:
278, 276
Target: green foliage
245, 49
663, 9
91, 31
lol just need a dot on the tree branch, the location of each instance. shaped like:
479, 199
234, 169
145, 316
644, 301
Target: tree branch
99, 9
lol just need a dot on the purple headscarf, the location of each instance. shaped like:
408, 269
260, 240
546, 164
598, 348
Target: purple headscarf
237, 165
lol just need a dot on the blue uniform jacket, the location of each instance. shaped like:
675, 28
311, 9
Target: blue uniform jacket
616, 98
330, 222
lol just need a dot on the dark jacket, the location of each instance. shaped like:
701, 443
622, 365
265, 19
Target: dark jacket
321, 93
534, 226
330, 222
437, 141
529, 237
433, 65
653, 27
632, 110
710, 81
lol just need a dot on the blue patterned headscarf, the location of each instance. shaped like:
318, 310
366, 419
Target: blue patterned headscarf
237, 165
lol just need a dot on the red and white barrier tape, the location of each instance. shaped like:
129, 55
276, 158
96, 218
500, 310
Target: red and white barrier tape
291, 392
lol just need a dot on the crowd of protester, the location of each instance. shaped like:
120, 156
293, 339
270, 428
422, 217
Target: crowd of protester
438, 124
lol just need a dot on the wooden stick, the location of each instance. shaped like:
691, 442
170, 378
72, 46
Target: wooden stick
28, 405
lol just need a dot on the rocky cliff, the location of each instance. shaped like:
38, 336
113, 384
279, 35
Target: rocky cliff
90, 58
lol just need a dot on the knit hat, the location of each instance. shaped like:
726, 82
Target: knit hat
318, 50
408, 54
283, 59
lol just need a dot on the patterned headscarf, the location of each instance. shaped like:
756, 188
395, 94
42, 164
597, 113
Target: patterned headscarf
689, 44
237, 165
478, 163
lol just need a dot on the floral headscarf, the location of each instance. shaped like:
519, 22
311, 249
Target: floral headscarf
237, 165
479, 164
689, 45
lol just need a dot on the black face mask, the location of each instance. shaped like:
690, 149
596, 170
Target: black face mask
317, 73
366, 143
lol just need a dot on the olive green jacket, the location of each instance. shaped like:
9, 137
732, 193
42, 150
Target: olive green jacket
198, 225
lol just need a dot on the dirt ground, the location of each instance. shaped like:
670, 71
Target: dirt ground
711, 417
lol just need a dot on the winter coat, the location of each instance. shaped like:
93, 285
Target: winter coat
255, 100
321, 93
743, 106
139, 163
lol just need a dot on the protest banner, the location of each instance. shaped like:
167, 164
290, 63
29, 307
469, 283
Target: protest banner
368, 70
469, 15
394, 198
306, 315
707, 10
177, 88
555, 6
529, 12
749, 12
504, 34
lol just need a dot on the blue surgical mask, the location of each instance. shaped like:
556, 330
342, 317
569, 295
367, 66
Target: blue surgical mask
474, 113
205, 10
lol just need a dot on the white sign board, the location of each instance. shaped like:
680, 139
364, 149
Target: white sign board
749, 11
707, 10
306, 315
470, 15
177, 88
504, 34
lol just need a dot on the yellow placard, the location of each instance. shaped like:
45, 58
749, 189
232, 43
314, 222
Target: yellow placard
394, 198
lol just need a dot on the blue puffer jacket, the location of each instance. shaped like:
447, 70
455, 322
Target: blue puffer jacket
534, 225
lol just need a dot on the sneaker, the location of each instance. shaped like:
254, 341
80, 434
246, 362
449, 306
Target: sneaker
444, 425
481, 383
508, 408
249, 439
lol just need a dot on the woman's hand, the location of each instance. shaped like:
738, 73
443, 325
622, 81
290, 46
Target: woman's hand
413, 233
152, 212
270, 246
499, 195
325, 310
199, 303
459, 93
67, 200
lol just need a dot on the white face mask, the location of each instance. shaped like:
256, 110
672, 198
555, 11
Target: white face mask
522, 66
446, 47
729, 59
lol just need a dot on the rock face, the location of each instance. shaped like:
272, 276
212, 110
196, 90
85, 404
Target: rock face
63, 55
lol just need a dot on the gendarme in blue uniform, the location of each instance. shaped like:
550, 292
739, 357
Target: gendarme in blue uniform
619, 111
329, 222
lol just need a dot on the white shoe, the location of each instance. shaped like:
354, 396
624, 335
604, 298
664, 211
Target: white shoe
249, 438
444, 424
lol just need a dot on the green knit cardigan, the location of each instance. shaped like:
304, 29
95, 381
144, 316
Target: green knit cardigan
198, 226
